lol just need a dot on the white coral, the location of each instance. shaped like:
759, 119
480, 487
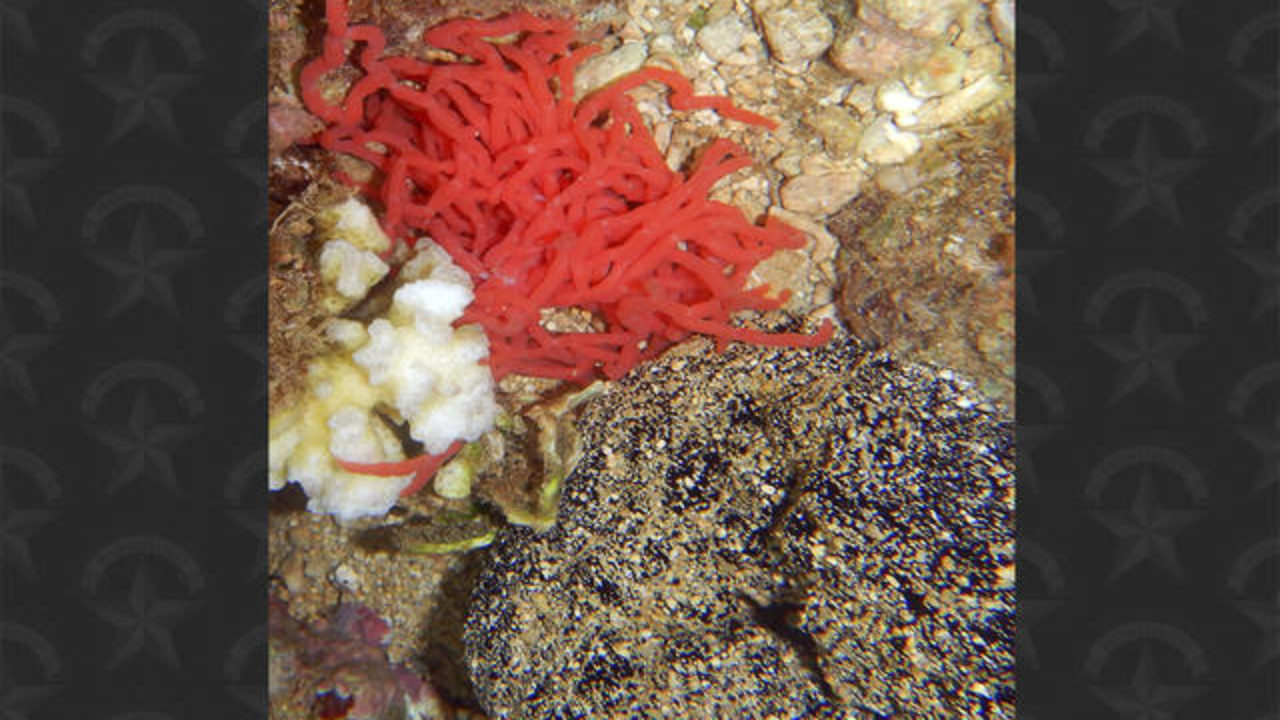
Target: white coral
412, 363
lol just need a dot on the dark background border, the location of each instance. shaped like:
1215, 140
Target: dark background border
132, 322
1147, 374
132, 359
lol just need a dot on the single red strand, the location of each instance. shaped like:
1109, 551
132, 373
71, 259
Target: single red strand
422, 466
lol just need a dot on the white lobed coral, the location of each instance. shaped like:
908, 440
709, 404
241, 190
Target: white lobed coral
430, 371
334, 421
410, 366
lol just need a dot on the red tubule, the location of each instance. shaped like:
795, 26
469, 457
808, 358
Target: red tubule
547, 202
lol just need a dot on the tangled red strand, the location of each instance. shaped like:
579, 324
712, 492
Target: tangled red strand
547, 202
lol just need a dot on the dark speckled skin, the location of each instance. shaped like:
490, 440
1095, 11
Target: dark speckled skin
764, 533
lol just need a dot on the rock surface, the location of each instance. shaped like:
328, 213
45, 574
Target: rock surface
601, 70
926, 263
839, 129
872, 48
819, 194
885, 143
338, 667
797, 33
928, 18
818, 533
728, 40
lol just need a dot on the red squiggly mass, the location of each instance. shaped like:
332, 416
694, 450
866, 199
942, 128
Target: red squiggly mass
548, 203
